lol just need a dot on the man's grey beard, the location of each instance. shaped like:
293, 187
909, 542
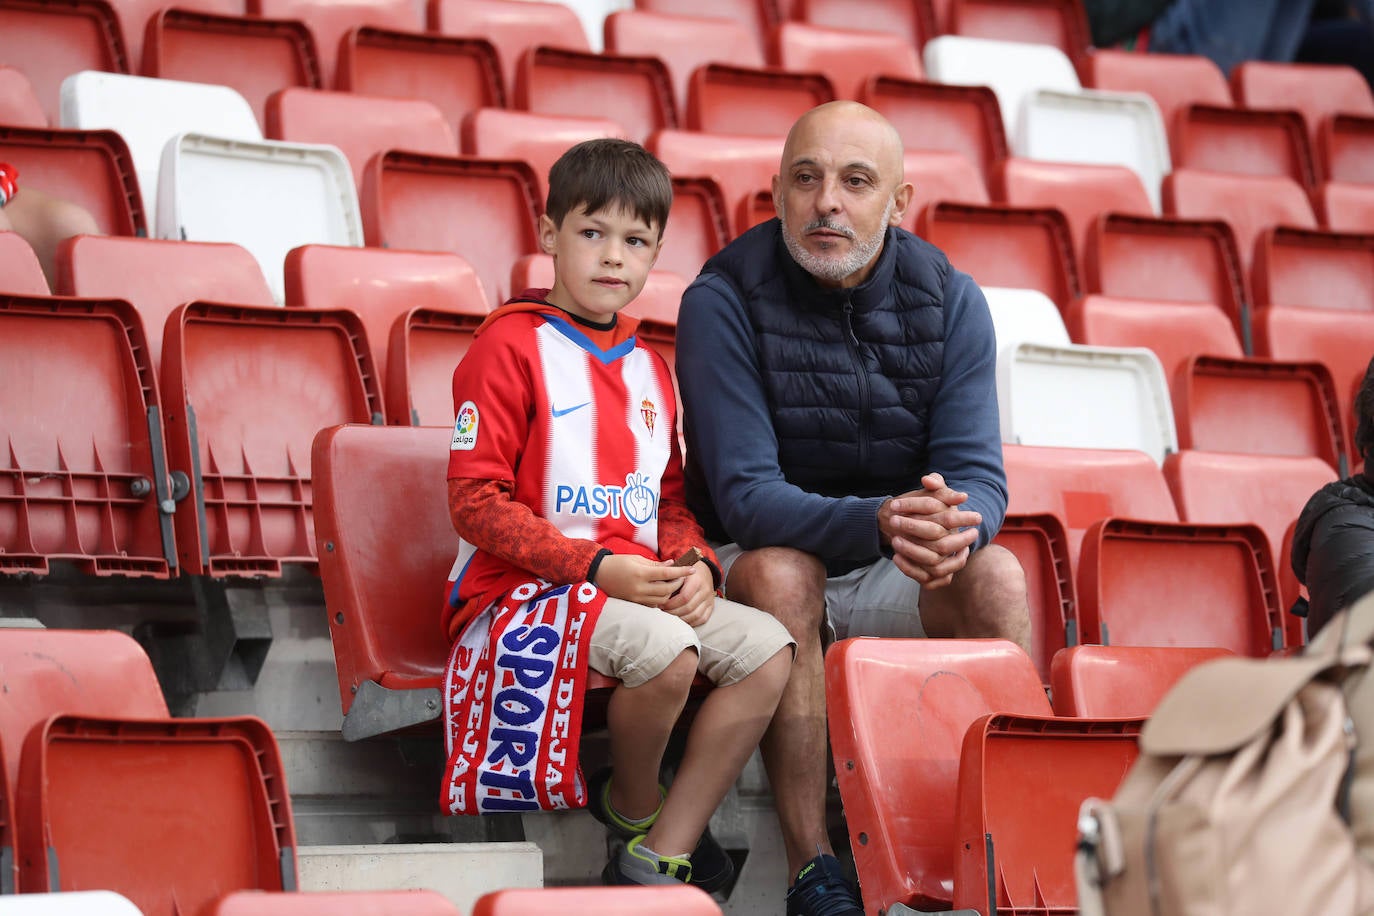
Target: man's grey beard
835, 268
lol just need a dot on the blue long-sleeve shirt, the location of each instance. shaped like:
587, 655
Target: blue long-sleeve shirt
733, 448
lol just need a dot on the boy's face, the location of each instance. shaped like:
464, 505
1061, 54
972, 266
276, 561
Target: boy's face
601, 259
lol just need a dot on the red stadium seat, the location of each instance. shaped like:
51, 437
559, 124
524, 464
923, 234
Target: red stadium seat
1317, 91
512, 27
360, 125
1082, 486
245, 443
486, 210
698, 226
695, 41
1041, 545
134, 15
50, 41
1258, 407
91, 168
1314, 269
847, 57
1081, 192
1345, 149
329, 21
739, 165
326, 903
637, 90
1243, 142
157, 276
539, 139
84, 479
1149, 584
457, 75
1170, 259
1174, 81
22, 274
935, 116
18, 104
1120, 681
898, 710
255, 57
1019, 247
1014, 845
1250, 204
1173, 330
411, 300
1345, 207
913, 22
596, 901
938, 176
728, 99
758, 16
1061, 24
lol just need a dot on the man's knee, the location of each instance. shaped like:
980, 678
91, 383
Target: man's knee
987, 598
787, 583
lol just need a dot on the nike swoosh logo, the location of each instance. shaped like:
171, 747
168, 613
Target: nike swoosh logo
566, 411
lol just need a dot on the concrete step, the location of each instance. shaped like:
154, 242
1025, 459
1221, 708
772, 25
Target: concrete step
462, 872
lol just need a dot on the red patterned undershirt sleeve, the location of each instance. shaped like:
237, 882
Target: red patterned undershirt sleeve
485, 516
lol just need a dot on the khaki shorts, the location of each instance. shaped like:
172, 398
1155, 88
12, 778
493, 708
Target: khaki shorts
874, 600
635, 643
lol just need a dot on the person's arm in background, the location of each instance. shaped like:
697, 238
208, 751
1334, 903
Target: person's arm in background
730, 437
1340, 561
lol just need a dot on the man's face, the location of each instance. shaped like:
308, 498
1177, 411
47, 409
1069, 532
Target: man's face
838, 189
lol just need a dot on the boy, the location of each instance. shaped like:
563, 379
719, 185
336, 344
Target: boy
565, 470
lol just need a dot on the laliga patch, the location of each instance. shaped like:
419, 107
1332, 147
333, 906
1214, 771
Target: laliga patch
465, 429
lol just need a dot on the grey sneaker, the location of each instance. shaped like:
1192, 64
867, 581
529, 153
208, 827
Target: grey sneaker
633, 864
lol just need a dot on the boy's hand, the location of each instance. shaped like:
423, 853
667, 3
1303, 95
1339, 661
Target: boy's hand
697, 598
633, 578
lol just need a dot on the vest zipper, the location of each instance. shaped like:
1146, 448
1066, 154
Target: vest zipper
855, 352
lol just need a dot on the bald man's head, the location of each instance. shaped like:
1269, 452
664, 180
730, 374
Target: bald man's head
839, 186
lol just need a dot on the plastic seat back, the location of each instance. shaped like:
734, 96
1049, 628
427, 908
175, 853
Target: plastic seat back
1012, 69
730, 99
1317, 91
1345, 207
72, 903
268, 197
1249, 204
149, 112
456, 75
255, 57
330, 21
1173, 331
1061, 24
1019, 247
1082, 486
539, 139
1041, 545
898, 710
1345, 148
245, 443
913, 22
637, 90
84, 473
1080, 191
1120, 681
22, 274
18, 103
361, 126
758, 16
937, 176
383, 286
1024, 315
696, 40
410, 202
1243, 142
739, 165
158, 275
1174, 81
1013, 844
91, 168
934, 116
384, 485
847, 57
596, 901
1147, 584
134, 16
48, 42
323, 903
512, 27
1311, 268
1259, 407
698, 226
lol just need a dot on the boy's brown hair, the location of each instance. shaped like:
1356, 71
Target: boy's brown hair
606, 171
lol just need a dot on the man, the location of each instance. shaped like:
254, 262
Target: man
838, 382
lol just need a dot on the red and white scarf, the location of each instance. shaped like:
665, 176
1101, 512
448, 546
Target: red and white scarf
513, 702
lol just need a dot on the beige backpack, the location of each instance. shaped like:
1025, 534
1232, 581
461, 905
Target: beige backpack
1252, 794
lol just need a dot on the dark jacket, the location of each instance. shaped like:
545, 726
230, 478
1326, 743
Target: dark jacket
1333, 547
806, 407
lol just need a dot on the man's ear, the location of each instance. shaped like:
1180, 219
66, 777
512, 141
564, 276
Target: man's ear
776, 187
548, 235
901, 199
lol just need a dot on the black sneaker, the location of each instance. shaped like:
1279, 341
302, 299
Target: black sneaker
822, 889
